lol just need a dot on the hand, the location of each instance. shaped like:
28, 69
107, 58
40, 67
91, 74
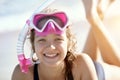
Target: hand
90, 9
102, 7
96, 10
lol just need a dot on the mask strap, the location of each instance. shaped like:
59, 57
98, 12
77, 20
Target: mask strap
25, 63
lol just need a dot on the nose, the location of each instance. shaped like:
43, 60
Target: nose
50, 49
52, 46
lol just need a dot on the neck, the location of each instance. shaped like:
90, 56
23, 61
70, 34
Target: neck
51, 72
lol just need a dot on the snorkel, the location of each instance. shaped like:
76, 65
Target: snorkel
24, 62
49, 26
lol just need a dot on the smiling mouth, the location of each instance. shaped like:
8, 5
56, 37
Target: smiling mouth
51, 55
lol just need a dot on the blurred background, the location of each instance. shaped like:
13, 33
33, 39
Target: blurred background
14, 13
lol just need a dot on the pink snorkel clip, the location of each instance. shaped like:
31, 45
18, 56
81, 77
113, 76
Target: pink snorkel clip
24, 63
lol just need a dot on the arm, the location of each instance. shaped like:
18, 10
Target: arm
107, 47
91, 47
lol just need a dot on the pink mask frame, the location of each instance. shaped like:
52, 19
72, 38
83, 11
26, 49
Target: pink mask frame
60, 15
50, 26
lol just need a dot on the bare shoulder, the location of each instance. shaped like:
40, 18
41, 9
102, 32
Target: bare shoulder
82, 58
83, 67
81, 62
19, 75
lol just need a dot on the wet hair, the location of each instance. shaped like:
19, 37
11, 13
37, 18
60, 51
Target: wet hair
70, 53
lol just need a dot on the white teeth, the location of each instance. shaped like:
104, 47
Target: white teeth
50, 55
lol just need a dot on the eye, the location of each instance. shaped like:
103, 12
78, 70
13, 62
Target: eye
59, 39
41, 40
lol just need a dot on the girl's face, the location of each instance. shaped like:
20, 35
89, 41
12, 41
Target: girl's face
51, 49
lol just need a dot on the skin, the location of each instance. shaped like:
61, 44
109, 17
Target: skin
100, 43
51, 50
102, 7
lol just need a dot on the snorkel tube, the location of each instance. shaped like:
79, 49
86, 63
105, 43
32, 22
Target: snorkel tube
24, 62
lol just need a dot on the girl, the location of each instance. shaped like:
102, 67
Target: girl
54, 46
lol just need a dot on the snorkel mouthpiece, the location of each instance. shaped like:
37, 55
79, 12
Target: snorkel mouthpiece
24, 63
49, 29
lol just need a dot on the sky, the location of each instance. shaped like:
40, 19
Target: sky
14, 13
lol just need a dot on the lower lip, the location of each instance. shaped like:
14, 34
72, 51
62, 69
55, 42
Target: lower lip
51, 57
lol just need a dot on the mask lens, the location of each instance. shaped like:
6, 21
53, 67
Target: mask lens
59, 18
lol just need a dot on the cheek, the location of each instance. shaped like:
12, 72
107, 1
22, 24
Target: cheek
37, 47
38, 51
64, 51
64, 47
